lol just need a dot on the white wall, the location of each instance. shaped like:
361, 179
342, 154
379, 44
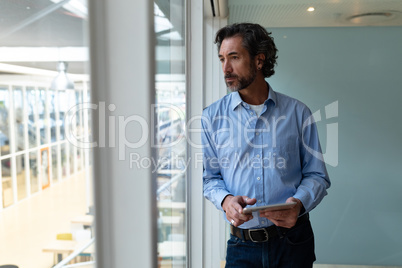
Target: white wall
359, 222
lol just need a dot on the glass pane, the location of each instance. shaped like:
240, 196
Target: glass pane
42, 117
8, 195
4, 123
35, 36
61, 96
21, 177
89, 115
33, 171
170, 133
45, 167
63, 152
66, 102
31, 111
79, 159
72, 158
79, 129
19, 119
55, 173
52, 115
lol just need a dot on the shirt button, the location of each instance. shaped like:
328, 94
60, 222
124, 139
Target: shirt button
258, 178
257, 133
258, 156
251, 113
263, 222
259, 201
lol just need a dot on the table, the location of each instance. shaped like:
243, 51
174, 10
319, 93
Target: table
172, 205
171, 220
172, 249
60, 247
86, 220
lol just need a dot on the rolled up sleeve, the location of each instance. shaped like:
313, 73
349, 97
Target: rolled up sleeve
213, 184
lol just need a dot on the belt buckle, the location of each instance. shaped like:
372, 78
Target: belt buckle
250, 231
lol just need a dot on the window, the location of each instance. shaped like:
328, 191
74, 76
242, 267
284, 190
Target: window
44, 184
170, 140
32, 103
19, 119
4, 121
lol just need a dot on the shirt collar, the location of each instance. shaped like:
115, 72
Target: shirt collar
237, 100
271, 96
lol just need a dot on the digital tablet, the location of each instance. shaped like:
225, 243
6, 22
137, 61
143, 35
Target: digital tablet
281, 206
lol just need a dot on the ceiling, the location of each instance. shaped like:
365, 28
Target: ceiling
44, 27
308, 13
61, 26
327, 13
31, 24
58, 24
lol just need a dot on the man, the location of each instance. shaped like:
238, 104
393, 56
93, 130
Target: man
260, 148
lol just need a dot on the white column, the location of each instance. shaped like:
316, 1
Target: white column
122, 66
195, 104
215, 88
26, 142
58, 145
13, 144
86, 152
48, 135
38, 142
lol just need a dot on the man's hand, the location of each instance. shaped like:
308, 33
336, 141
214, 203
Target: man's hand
284, 218
233, 205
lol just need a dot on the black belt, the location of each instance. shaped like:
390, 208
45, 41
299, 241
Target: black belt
262, 234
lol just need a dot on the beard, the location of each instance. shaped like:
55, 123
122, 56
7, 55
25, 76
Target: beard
242, 81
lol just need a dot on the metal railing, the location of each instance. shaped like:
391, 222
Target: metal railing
78, 251
81, 264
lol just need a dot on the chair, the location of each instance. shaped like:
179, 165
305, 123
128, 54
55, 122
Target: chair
81, 235
62, 236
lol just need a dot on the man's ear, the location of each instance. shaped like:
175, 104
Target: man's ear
260, 58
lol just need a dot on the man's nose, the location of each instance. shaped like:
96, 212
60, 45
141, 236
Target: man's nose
227, 68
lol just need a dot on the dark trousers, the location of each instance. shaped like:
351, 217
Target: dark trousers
293, 248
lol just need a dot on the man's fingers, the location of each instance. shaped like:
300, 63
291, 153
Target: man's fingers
234, 209
250, 201
280, 218
236, 213
279, 214
284, 218
237, 207
238, 222
245, 218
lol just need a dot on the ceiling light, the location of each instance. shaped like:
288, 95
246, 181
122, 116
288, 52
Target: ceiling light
61, 81
77, 7
310, 9
372, 18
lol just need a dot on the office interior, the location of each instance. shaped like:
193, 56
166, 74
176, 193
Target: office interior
100, 104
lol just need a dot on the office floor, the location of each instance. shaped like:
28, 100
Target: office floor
29, 225
338, 266
350, 266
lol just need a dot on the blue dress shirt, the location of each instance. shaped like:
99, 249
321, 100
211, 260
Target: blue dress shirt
271, 157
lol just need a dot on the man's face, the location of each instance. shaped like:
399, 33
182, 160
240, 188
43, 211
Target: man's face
238, 69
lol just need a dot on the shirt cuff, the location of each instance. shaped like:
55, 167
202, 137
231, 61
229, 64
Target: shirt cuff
304, 200
219, 199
